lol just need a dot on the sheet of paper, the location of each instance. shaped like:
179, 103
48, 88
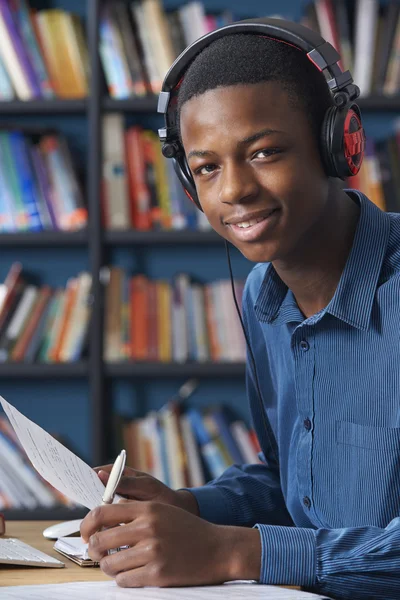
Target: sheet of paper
110, 591
58, 465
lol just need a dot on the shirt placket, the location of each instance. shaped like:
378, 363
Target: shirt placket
303, 349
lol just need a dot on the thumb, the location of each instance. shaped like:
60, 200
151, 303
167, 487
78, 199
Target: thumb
103, 475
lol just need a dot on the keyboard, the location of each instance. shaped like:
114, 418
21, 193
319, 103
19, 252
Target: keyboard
15, 552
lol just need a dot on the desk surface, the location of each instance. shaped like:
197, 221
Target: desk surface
30, 532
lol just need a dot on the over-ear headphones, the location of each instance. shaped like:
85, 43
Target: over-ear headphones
342, 136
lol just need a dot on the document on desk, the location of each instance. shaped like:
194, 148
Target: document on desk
55, 463
109, 590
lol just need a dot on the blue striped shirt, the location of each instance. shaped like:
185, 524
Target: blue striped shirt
328, 509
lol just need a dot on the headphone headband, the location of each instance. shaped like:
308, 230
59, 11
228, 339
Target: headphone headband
322, 54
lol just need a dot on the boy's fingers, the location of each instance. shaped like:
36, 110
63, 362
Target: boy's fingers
128, 471
105, 468
107, 516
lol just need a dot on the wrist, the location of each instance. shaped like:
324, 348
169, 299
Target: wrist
187, 501
243, 554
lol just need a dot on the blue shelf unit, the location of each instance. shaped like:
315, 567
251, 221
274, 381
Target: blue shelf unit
78, 401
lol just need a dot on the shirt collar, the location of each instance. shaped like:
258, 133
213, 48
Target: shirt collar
354, 295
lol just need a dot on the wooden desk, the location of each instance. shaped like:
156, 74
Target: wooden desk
31, 533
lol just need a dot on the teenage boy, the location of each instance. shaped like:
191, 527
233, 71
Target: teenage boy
322, 312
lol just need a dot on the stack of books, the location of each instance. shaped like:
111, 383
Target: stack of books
179, 321
140, 188
43, 54
139, 42
366, 34
39, 187
188, 447
41, 324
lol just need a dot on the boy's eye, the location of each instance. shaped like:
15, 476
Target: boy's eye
267, 152
205, 169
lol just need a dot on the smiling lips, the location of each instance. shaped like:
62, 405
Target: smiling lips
253, 227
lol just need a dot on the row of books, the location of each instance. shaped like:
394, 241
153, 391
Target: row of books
178, 321
43, 54
379, 176
366, 33
188, 447
21, 486
38, 323
139, 42
140, 188
39, 188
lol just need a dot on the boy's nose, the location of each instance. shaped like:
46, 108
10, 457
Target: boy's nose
237, 184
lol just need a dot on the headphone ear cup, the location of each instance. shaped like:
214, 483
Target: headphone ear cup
185, 177
342, 141
326, 142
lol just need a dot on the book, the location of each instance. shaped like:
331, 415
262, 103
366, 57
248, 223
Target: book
115, 173
23, 19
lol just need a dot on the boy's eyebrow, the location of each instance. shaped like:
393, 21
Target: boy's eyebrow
247, 140
258, 136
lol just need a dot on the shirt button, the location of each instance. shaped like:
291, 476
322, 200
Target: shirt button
307, 502
304, 345
307, 424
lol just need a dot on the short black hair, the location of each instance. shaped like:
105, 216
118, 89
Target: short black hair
246, 58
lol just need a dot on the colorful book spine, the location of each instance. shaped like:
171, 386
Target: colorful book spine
22, 17
6, 87
7, 213
46, 205
21, 216
19, 48
26, 179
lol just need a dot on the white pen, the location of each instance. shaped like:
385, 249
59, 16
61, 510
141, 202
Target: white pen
114, 479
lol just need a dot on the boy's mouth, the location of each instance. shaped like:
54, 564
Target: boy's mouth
251, 228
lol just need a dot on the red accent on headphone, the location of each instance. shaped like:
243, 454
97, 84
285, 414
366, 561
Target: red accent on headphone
178, 85
189, 196
268, 37
354, 143
314, 63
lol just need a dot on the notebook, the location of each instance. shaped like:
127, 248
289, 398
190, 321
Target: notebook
76, 550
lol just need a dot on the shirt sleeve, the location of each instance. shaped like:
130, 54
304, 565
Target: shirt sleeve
347, 564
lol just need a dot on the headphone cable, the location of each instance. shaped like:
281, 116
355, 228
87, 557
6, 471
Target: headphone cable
267, 425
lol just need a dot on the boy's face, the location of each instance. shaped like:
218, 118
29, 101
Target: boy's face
254, 158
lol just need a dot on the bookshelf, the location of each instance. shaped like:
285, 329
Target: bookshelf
44, 238
141, 370
139, 238
43, 107
147, 104
41, 514
43, 370
105, 247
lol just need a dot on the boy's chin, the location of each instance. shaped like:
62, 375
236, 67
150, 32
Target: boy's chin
258, 253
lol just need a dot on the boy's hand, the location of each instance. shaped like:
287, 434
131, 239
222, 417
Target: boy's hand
168, 546
136, 485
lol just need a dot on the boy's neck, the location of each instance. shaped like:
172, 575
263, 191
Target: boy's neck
315, 270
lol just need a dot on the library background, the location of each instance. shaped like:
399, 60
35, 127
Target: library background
117, 325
